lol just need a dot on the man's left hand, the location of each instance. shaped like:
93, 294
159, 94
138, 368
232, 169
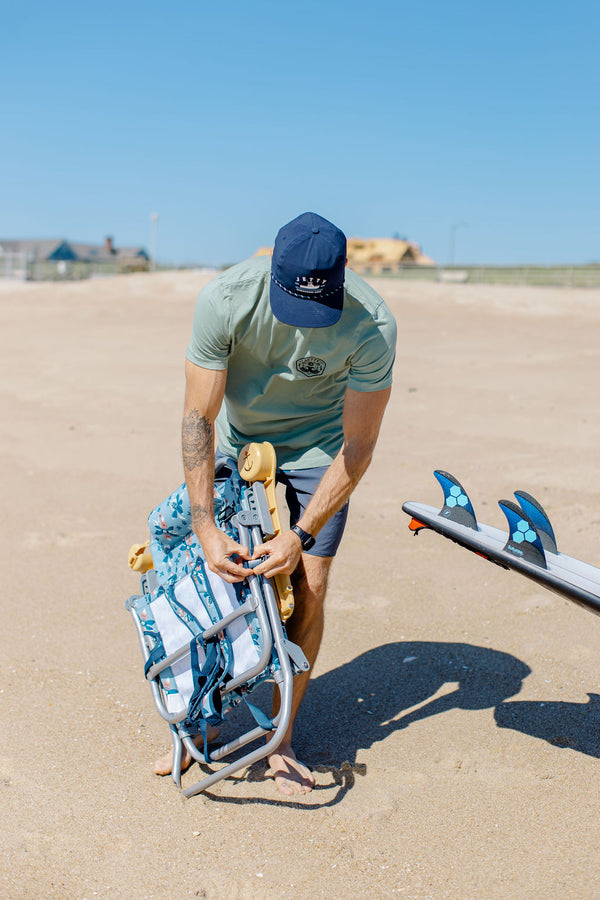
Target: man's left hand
284, 553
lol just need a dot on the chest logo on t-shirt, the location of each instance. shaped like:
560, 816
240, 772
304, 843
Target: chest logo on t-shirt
311, 365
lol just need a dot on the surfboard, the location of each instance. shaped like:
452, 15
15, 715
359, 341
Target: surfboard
528, 547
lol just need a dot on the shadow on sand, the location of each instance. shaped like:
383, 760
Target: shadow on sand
390, 687
367, 699
373, 695
572, 725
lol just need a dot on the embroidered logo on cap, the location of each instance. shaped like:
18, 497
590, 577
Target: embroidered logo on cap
309, 284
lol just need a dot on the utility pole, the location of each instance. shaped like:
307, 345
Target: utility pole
452, 242
154, 220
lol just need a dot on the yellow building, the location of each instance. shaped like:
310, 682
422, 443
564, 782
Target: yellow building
384, 255
376, 256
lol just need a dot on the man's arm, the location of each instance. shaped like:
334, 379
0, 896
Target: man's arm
363, 413
204, 392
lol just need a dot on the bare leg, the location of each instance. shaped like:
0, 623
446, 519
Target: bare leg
164, 765
305, 628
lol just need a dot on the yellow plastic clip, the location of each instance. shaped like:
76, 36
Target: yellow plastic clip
257, 462
140, 558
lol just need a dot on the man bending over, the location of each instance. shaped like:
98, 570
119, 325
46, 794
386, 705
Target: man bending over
297, 351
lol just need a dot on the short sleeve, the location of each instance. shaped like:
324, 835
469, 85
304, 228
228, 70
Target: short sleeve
372, 363
210, 342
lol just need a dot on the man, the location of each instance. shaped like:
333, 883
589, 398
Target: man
290, 351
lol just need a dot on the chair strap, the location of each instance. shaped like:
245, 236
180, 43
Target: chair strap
206, 706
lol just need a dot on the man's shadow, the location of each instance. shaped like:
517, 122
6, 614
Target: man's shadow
389, 687
380, 691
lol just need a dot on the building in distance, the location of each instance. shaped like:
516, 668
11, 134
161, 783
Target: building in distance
384, 256
52, 258
378, 256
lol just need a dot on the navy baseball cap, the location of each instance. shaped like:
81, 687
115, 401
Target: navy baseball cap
307, 272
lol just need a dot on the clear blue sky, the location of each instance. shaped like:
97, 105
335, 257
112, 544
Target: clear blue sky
228, 119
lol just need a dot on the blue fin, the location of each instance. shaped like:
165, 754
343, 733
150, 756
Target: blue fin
523, 539
540, 519
457, 506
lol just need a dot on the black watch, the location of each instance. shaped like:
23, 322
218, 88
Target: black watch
306, 539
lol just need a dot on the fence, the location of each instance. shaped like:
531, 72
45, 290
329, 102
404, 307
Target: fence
548, 276
22, 266
13, 264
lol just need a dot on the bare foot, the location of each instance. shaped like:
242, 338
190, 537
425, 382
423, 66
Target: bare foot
164, 765
291, 777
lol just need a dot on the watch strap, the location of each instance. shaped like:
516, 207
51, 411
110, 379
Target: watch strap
306, 539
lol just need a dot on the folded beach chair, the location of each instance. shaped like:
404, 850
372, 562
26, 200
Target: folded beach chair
206, 643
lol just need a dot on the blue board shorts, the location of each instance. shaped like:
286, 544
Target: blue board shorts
300, 485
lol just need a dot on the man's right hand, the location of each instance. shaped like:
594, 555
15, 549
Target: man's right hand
219, 549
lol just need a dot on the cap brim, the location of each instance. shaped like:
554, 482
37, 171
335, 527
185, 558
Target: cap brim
302, 312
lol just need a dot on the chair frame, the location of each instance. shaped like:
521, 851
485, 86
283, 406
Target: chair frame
254, 525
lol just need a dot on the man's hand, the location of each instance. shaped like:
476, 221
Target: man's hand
219, 549
284, 553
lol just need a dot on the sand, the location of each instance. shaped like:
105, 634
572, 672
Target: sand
453, 719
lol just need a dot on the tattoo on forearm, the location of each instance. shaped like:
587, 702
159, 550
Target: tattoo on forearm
199, 514
196, 439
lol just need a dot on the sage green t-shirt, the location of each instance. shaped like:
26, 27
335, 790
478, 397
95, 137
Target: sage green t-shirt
285, 384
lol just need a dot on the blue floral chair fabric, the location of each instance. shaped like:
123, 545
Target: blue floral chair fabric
173, 544
185, 598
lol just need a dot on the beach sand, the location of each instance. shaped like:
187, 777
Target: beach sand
453, 720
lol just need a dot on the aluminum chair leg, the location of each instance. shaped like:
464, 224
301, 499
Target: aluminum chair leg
177, 754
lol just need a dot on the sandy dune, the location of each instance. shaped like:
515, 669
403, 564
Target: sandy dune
454, 716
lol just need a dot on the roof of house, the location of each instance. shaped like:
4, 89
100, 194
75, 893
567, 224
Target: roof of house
42, 248
61, 249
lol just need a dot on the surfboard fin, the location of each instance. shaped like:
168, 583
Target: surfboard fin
523, 538
457, 506
540, 519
